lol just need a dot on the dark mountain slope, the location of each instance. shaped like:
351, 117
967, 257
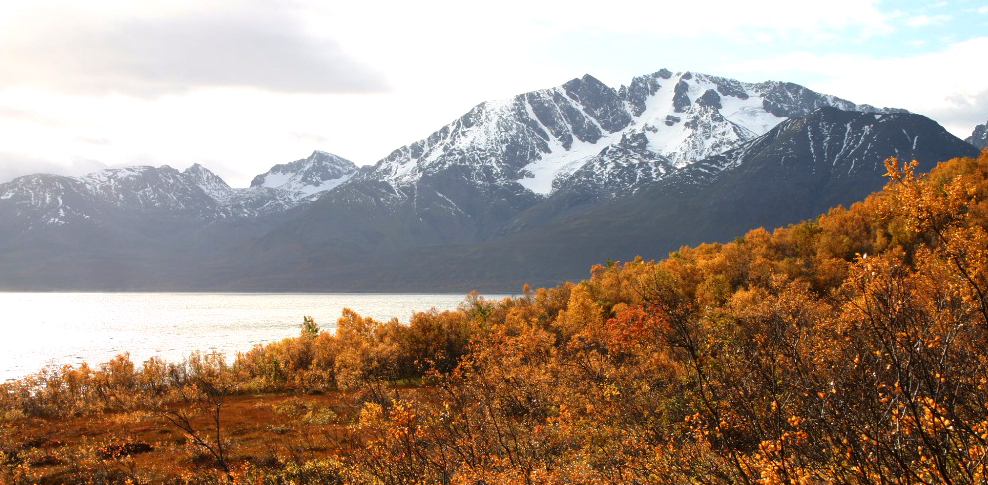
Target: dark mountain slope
798, 170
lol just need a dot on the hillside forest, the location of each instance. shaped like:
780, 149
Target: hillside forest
848, 349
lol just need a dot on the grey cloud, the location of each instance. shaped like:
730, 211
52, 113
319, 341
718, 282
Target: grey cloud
150, 57
963, 113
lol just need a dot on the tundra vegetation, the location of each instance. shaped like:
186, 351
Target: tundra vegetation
849, 349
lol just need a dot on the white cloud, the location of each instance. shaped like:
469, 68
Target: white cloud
462, 53
156, 47
924, 20
947, 85
694, 19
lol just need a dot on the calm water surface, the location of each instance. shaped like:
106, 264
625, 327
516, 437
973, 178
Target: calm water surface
40, 329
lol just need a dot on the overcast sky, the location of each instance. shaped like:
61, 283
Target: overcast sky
242, 85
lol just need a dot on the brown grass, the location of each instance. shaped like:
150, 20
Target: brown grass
264, 431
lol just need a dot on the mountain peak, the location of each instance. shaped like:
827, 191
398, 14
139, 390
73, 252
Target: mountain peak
979, 137
208, 181
197, 169
305, 177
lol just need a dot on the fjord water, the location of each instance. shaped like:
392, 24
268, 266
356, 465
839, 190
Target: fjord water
41, 329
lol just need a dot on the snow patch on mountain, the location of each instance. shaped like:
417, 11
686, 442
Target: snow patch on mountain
540, 174
196, 192
304, 178
540, 139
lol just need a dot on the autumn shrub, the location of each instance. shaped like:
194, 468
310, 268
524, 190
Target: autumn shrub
848, 349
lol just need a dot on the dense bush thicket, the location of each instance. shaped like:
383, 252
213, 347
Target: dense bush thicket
847, 349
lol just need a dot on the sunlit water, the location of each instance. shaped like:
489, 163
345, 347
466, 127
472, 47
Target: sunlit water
41, 329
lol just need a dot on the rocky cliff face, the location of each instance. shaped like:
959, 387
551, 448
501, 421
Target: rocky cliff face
979, 138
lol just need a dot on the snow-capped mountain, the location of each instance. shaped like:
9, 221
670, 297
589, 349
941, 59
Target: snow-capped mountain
979, 138
307, 177
363, 233
659, 122
480, 170
43, 199
800, 168
195, 193
467, 180
797, 170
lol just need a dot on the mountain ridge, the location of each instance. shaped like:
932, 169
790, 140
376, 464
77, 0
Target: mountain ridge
979, 137
196, 191
711, 201
529, 189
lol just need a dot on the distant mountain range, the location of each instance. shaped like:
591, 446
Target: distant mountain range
531, 189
